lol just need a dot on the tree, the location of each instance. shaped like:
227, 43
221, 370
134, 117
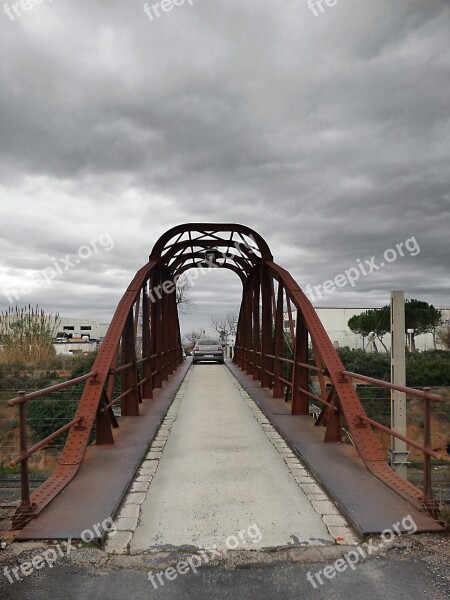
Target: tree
184, 303
26, 334
225, 324
375, 321
422, 318
193, 336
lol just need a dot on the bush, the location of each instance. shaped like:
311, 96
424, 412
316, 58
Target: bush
374, 364
46, 415
429, 368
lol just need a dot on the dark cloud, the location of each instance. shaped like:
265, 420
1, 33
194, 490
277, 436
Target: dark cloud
329, 135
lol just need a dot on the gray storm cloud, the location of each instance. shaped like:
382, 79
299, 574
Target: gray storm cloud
327, 134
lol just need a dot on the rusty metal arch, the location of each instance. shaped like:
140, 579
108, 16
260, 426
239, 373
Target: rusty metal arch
239, 273
259, 350
162, 244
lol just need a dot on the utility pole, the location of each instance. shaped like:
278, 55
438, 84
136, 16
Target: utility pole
398, 452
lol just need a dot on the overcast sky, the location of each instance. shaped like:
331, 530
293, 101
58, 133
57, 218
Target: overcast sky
327, 132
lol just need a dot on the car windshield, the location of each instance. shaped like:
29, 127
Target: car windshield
207, 343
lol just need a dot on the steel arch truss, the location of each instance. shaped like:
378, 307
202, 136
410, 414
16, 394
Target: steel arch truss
148, 307
270, 297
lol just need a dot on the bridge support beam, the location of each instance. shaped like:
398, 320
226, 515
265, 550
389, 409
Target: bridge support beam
156, 321
300, 402
147, 365
129, 380
256, 341
278, 364
103, 430
266, 328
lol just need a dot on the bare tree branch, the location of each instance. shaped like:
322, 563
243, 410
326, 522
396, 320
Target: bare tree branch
193, 336
184, 303
225, 324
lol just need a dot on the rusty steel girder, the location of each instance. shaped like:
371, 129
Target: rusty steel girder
259, 347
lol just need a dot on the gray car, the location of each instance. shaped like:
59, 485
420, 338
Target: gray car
210, 350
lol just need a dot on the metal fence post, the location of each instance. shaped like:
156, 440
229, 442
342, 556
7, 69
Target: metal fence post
427, 492
24, 477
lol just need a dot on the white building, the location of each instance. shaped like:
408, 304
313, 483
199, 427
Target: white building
77, 328
335, 322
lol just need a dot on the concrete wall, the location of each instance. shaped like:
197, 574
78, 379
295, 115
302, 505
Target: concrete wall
79, 327
75, 347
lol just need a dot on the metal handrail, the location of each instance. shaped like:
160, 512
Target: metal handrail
30, 451
391, 386
425, 395
24, 397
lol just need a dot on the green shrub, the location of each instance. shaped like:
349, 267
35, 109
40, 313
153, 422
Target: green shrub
47, 414
429, 368
373, 364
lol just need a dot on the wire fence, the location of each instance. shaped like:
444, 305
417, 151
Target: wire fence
377, 405
45, 415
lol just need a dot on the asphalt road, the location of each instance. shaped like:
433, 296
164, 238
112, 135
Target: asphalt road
384, 579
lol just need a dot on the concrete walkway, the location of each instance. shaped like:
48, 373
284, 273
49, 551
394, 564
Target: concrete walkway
220, 474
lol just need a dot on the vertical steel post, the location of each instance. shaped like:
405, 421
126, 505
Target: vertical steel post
318, 361
104, 420
249, 327
278, 385
147, 365
266, 328
256, 341
156, 328
300, 401
172, 331
130, 404
427, 491
24, 475
244, 328
238, 357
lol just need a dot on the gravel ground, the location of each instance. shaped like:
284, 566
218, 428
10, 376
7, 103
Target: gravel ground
432, 549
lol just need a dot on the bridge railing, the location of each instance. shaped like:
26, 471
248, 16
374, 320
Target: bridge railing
120, 362
26, 452
425, 448
171, 362
277, 382
271, 298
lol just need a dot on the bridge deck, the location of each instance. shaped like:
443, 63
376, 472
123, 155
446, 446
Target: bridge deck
367, 502
219, 473
97, 490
